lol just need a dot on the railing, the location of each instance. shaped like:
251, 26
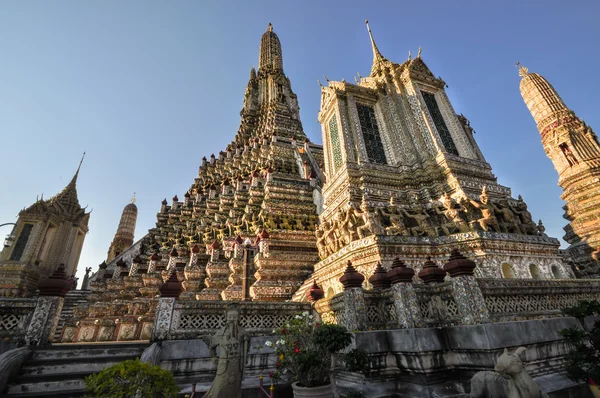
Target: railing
192, 319
505, 300
437, 304
520, 299
15, 314
380, 309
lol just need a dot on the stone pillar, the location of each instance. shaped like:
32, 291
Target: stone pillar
169, 292
263, 243
49, 304
215, 250
101, 271
135, 264
408, 312
120, 266
465, 289
355, 308
172, 260
152, 264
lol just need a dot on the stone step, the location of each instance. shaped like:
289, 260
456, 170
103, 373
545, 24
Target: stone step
60, 370
44, 368
74, 351
66, 387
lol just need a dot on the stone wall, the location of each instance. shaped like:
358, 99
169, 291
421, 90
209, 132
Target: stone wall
435, 362
441, 361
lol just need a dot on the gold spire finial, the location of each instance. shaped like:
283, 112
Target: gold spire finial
74, 179
376, 54
133, 199
270, 28
523, 71
80, 162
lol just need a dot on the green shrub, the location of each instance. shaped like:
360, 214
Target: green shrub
132, 378
358, 361
583, 361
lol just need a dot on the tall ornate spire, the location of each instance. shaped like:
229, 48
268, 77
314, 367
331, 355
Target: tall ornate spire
270, 51
125, 232
541, 98
574, 149
67, 198
377, 57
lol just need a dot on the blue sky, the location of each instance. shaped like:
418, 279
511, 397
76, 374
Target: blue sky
149, 87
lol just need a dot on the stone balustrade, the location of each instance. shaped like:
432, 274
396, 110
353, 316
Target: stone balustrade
520, 299
505, 300
183, 319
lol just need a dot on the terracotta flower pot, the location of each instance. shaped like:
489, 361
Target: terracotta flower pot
325, 391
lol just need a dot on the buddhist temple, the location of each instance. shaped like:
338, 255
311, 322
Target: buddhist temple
47, 234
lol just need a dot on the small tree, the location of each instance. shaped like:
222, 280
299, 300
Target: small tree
583, 361
132, 378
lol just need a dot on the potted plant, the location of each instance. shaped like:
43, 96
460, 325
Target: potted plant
583, 361
306, 352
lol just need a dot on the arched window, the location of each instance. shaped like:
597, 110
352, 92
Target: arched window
507, 271
535, 271
556, 272
330, 293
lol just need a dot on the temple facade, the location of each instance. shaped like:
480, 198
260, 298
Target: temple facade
47, 234
405, 178
573, 148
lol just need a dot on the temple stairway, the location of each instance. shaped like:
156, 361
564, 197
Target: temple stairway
59, 370
72, 300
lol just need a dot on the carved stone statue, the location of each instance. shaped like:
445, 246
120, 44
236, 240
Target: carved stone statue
321, 244
230, 341
509, 379
452, 214
396, 220
397, 226
372, 224
508, 221
488, 221
86, 277
343, 221
423, 220
330, 238
528, 226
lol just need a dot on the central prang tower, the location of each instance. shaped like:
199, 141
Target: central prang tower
245, 228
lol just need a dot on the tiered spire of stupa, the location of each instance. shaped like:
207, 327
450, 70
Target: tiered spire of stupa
259, 189
574, 150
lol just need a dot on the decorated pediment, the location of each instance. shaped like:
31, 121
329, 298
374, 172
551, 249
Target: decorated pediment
418, 70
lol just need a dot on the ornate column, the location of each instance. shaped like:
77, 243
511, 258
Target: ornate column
152, 264
263, 243
49, 304
169, 292
355, 308
408, 313
465, 289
